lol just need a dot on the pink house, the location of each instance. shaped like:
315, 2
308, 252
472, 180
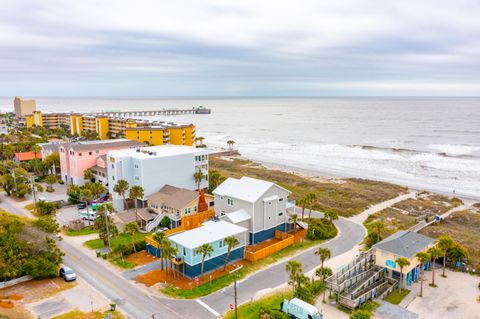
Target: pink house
77, 157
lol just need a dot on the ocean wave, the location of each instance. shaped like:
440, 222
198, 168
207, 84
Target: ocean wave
455, 149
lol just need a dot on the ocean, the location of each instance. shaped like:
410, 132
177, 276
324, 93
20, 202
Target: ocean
423, 143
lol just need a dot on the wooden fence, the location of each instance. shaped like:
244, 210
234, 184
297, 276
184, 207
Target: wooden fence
285, 241
188, 222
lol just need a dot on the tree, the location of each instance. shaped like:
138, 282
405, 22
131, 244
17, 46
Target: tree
323, 254
35, 149
86, 196
231, 242
457, 253
74, 193
135, 193
294, 219
205, 250
303, 203
160, 238
434, 253
50, 180
52, 162
331, 215
445, 243
198, 176
47, 223
324, 273
121, 248
97, 189
200, 140
47, 208
106, 228
121, 188
402, 262
311, 198
131, 229
214, 179
423, 258
230, 144
293, 267
88, 175
378, 228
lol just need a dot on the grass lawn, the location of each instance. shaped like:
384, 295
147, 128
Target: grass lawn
251, 310
346, 196
123, 263
224, 281
396, 296
120, 239
77, 314
81, 232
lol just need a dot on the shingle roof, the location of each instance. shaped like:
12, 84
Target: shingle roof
142, 213
246, 188
172, 196
405, 243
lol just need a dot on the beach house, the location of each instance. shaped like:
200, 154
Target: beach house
258, 205
189, 259
77, 157
154, 167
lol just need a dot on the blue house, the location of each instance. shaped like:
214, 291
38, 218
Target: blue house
213, 233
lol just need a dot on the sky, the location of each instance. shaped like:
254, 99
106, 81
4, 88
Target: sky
239, 48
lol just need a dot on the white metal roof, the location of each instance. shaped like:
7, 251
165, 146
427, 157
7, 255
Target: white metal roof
246, 188
305, 305
158, 151
208, 233
238, 216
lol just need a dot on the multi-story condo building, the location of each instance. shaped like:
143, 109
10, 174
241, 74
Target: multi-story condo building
77, 157
258, 205
23, 107
107, 127
156, 166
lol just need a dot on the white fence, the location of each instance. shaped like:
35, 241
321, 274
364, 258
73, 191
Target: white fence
13, 282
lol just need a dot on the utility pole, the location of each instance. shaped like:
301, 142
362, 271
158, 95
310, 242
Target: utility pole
34, 192
108, 232
234, 272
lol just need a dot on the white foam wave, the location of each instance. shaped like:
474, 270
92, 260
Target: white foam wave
454, 149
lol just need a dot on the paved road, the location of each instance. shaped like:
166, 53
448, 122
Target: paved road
350, 235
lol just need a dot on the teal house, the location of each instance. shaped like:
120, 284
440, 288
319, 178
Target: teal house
214, 234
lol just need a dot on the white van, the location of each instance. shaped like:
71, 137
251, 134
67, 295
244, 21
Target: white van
299, 309
87, 216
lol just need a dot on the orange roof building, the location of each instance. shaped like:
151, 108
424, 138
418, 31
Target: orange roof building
26, 156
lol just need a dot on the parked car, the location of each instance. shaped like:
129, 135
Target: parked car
299, 309
67, 273
82, 205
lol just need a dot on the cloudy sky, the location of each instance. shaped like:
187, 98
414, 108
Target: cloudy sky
239, 48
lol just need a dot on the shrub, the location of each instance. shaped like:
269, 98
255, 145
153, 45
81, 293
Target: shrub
321, 228
165, 222
273, 314
361, 314
47, 208
47, 224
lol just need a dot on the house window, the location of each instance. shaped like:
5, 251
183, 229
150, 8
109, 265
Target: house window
113, 166
221, 244
229, 202
79, 154
137, 178
280, 199
89, 153
195, 208
136, 165
113, 177
184, 251
97, 151
280, 214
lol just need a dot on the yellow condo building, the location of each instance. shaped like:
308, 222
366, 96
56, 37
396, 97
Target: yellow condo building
106, 127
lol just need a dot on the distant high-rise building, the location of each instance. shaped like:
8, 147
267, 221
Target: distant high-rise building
24, 107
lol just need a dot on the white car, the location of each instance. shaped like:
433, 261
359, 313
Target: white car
67, 273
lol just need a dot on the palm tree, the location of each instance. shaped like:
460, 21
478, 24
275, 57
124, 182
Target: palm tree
294, 219
294, 267
457, 253
422, 257
205, 250
323, 254
97, 189
231, 242
434, 253
214, 179
160, 238
35, 149
331, 215
200, 139
379, 227
402, 262
230, 144
198, 176
86, 196
121, 188
303, 203
135, 193
445, 243
311, 198
131, 229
